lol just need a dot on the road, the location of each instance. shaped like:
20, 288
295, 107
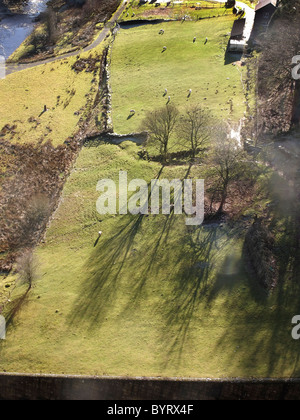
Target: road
13, 68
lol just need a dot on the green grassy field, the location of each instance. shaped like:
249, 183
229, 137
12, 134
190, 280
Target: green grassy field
141, 72
67, 95
151, 298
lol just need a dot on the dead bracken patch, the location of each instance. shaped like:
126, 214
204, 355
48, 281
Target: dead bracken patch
158, 12
8, 129
29, 192
88, 65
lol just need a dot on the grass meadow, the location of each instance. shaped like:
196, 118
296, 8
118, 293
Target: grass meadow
141, 71
151, 298
67, 95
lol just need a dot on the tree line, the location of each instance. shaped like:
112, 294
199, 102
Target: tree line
207, 141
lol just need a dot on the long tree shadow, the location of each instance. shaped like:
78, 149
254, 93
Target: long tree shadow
260, 325
15, 307
167, 227
260, 335
150, 267
192, 283
104, 271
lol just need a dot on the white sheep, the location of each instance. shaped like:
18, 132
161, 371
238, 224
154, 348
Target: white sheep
166, 91
169, 98
190, 92
195, 39
165, 48
132, 111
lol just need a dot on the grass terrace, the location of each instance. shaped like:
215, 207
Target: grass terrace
152, 297
141, 71
67, 94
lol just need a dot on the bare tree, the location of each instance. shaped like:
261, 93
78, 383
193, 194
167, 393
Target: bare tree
195, 129
160, 125
27, 268
51, 26
229, 163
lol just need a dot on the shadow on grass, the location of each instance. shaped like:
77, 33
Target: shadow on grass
258, 323
260, 340
193, 286
107, 266
257, 330
259, 336
15, 306
104, 270
232, 57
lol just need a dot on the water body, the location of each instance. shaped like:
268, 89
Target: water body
15, 27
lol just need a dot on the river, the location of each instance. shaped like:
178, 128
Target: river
15, 27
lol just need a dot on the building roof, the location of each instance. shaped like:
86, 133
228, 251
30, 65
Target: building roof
264, 3
238, 27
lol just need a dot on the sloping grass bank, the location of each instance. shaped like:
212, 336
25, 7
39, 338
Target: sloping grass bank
67, 95
151, 298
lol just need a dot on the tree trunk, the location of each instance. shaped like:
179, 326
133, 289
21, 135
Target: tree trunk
223, 201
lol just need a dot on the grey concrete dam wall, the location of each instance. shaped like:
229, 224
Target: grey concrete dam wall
43, 387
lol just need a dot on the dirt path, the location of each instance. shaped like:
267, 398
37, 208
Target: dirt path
14, 68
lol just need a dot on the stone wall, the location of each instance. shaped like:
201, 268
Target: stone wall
42, 387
